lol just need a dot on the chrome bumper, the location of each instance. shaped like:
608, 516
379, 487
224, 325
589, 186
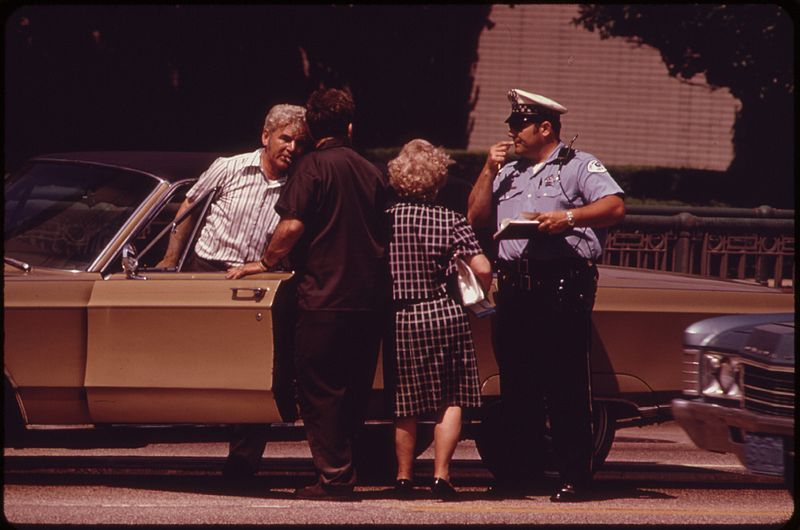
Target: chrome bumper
722, 429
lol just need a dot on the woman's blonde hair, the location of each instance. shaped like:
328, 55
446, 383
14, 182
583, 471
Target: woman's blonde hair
419, 171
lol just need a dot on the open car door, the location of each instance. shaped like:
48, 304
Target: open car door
166, 346
181, 348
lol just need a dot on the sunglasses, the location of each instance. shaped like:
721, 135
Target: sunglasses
519, 123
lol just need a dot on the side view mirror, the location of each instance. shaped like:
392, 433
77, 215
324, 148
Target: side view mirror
130, 263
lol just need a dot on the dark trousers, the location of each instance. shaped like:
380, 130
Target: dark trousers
245, 448
543, 336
335, 357
195, 263
248, 441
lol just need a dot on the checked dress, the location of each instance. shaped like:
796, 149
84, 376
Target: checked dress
435, 356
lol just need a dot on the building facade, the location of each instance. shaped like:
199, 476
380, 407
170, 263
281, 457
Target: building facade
621, 101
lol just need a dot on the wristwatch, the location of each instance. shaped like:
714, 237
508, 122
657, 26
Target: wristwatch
570, 218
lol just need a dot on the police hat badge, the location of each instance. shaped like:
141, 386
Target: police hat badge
526, 106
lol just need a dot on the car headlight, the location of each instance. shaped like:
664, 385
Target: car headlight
720, 376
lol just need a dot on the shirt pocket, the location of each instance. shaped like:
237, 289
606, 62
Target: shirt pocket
511, 195
510, 203
547, 187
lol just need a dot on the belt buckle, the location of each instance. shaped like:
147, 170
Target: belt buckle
525, 281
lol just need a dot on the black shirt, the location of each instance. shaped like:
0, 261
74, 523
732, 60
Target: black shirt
340, 259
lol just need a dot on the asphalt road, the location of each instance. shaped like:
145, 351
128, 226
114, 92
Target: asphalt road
654, 475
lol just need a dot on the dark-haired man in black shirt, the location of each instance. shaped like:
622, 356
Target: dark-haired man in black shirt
333, 223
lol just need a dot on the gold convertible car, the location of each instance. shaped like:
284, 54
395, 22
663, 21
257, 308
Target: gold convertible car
94, 334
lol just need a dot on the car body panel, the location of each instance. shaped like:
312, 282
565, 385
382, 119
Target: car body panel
48, 367
629, 278
208, 336
632, 308
760, 338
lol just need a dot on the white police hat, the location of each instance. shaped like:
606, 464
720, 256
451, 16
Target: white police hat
527, 106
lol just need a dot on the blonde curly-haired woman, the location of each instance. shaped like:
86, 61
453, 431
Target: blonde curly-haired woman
436, 368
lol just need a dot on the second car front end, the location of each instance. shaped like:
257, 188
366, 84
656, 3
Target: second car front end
739, 378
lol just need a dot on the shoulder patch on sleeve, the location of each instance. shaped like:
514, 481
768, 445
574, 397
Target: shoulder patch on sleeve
596, 167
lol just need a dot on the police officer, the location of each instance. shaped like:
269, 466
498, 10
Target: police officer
547, 283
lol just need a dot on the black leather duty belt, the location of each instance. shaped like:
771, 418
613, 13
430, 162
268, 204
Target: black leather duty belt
527, 274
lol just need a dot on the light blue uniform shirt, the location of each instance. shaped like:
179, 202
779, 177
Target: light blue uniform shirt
524, 187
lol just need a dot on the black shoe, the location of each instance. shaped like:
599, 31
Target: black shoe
443, 490
569, 493
318, 492
404, 488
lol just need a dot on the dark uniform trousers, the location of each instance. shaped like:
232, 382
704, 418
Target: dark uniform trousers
543, 336
335, 357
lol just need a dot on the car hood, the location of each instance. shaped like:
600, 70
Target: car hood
766, 337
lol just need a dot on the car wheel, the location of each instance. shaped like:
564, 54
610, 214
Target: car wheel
492, 444
489, 442
13, 423
788, 469
604, 427
493, 447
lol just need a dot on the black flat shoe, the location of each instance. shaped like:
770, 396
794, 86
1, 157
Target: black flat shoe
404, 487
569, 493
443, 490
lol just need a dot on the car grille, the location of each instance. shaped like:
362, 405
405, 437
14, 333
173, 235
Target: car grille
768, 391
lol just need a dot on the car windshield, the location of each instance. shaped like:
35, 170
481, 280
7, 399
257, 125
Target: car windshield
62, 215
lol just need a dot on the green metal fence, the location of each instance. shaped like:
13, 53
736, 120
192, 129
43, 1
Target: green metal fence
739, 243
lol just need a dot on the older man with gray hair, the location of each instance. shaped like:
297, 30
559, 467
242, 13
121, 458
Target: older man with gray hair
242, 217
238, 227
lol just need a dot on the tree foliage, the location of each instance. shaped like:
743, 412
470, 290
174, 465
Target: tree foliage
200, 77
747, 48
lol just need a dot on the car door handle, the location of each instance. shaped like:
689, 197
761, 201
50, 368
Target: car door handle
257, 293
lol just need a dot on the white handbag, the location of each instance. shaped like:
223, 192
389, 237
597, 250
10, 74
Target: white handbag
468, 285
469, 291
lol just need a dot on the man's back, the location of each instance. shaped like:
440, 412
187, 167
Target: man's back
340, 197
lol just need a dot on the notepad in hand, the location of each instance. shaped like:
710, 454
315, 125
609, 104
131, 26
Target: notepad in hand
482, 309
517, 229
